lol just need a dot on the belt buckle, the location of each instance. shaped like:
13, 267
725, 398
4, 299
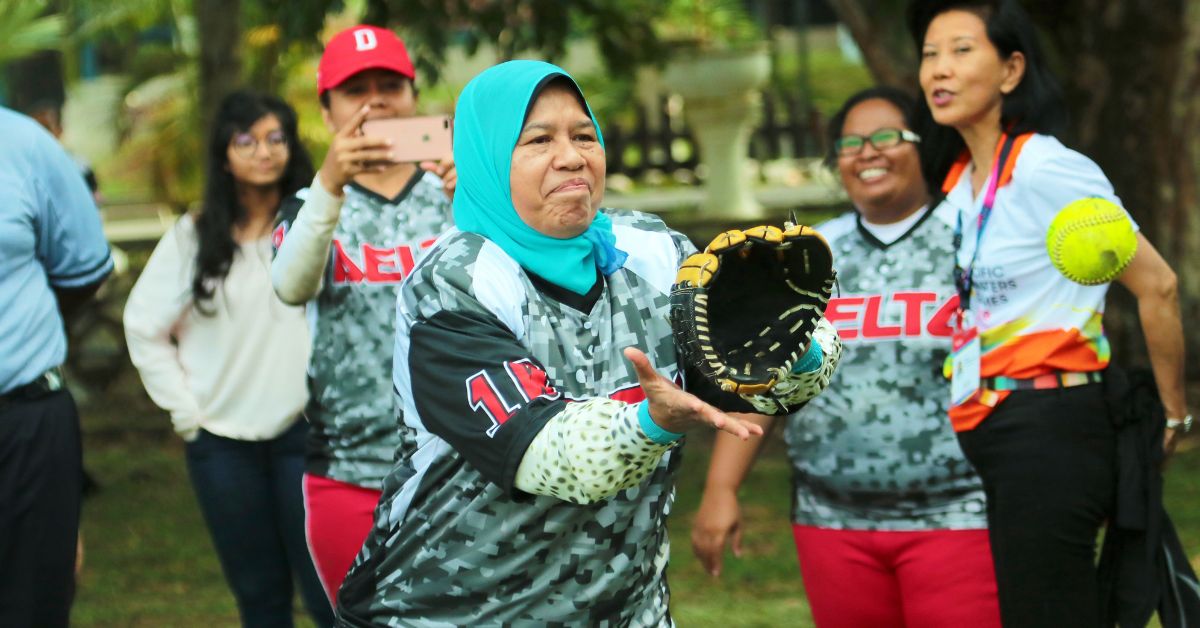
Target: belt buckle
53, 378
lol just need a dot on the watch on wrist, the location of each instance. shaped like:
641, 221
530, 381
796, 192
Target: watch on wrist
1184, 424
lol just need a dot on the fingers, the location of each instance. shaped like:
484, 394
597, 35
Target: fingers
641, 366
1170, 442
708, 548
351, 154
363, 156
351, 128
445, 171
450, 183
737, 541
738, 427
441, 167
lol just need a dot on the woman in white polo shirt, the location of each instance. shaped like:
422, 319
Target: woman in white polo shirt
218, 350
1036, 426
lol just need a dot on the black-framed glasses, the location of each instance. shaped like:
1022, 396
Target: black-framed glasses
245, 145
850, 145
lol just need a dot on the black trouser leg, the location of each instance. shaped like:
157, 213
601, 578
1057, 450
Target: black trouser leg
41, 479
1048, 463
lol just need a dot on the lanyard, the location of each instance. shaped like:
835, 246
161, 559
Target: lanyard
964, 277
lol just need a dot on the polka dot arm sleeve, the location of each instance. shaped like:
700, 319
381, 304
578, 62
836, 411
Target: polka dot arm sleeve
589, 452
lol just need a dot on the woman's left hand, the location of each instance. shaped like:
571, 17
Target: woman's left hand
446, 171
676, 410
1171, 440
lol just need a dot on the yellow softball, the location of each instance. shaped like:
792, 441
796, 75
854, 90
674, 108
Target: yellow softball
1091, 241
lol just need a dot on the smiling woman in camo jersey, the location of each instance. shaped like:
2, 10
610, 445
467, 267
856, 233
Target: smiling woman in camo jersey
540, 481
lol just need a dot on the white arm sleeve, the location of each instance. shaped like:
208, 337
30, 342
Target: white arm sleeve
299, 265
589, 452
156, 304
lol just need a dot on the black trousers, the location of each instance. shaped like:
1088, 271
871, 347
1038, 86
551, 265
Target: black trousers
41, 478
1047, 459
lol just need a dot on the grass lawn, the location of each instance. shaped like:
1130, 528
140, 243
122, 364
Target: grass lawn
149, 561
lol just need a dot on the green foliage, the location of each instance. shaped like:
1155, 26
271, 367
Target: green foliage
166, 142
622, 28
121, 21
25, 29
707, 24
609, 96
297, 20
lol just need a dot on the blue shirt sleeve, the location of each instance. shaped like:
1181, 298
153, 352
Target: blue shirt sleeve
70, 239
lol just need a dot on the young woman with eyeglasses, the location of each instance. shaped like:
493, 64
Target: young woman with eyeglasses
882, 495
226, 358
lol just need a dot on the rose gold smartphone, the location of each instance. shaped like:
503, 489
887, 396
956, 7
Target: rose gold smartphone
425, 138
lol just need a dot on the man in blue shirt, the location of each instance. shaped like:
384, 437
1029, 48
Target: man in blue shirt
53, 257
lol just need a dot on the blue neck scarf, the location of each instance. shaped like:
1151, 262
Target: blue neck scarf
487, 122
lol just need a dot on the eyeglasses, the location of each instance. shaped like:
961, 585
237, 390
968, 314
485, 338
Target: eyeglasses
245, 145
850, 145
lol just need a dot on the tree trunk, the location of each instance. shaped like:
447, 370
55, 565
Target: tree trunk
878, 27
219, 30
1132, 90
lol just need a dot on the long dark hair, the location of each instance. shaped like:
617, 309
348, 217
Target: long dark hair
220, 210
1036, 105
898, 98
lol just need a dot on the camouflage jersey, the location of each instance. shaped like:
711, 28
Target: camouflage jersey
376, 243
875, 451
486, 354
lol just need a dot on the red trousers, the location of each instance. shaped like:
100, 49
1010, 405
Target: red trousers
926, 579
338, 517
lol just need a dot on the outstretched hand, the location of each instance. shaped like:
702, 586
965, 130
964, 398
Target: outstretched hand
676, 410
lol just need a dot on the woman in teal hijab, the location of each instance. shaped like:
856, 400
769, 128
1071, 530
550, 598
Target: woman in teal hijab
535, 370
490, 115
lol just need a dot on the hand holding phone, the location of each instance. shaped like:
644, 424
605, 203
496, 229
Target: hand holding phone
351, 154
416, 139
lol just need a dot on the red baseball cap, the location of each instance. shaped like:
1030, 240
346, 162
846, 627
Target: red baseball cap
361, 48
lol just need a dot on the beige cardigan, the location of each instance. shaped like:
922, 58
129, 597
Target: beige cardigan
239, 373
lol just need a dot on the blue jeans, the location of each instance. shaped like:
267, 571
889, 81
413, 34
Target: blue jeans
250, 494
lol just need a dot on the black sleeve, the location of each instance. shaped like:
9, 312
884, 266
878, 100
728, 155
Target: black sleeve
708, 392
288, 210
478, 389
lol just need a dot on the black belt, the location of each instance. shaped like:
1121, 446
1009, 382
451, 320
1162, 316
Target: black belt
42, 385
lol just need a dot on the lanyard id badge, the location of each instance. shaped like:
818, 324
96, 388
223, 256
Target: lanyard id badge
965, 356
966, 347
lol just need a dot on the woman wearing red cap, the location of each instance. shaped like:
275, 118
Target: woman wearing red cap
350, 239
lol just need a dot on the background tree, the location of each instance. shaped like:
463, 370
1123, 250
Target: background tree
25, 28
219, 30
623, 29
1132, 81
878, 27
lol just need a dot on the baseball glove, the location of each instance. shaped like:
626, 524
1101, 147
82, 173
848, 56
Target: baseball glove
744, 310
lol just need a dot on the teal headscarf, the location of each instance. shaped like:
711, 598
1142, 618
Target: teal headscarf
487, 122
